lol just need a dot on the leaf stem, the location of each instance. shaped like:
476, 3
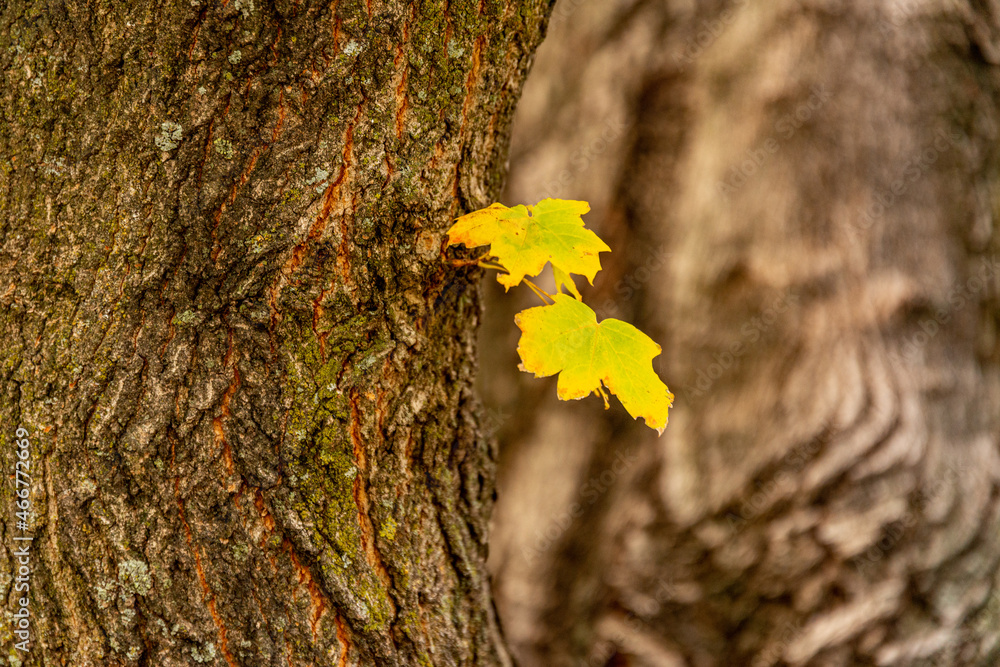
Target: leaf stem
491, 265
600, 392
542, 294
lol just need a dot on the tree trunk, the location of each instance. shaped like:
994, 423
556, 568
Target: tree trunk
244, 371
807, 196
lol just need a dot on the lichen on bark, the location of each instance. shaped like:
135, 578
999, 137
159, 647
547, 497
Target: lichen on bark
233, 368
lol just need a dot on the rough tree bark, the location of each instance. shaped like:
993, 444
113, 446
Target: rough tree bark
807, 192
245, 372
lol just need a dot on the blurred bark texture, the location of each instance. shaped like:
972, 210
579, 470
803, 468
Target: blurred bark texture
802, 197
245, 370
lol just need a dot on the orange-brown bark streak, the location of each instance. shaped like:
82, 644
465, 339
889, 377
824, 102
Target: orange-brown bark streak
343, 255
472, 79
206, 590
276, 132
218, 423
317, 601
361, 496
331, 195
343, 638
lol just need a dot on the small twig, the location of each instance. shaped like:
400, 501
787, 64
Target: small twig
462, 262
546, 298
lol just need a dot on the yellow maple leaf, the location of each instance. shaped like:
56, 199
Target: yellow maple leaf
524, 238
566, 338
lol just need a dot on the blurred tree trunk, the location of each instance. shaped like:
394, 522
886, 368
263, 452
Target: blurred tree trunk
803, 205
244, 369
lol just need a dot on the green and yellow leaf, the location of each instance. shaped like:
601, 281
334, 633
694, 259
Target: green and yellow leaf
524, 238
566, 338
